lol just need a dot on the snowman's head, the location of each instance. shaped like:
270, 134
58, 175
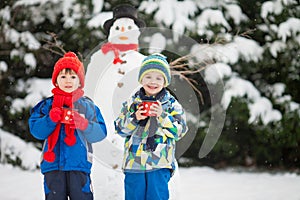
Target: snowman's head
124, 31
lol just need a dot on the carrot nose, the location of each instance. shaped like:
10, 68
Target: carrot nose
122, 29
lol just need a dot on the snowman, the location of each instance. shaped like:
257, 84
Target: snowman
111, 79
112, 71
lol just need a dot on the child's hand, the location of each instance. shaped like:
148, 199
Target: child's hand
139, 113
80, 122
156, 109
55, 114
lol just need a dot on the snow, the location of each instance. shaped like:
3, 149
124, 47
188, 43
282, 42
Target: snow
235, 12
177, 15
270, 7
217, 72
5, 13
99, 19
289, 28
259, 106
231, 52
16, 148
3, 66
195, 183
30, 60
262, 108
248, 49
33, 2
277, 90
158, 41
277, 47
210, 17
24, 37
98, 5
37, 90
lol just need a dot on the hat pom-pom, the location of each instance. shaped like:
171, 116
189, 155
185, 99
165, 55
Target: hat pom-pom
70, 54
49, 156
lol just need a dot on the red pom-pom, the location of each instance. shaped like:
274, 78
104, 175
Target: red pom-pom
70, 140
70, 54
49, 156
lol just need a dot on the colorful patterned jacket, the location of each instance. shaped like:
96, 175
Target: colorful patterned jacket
150, 143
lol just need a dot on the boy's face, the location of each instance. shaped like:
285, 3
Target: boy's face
153, 83
68, 80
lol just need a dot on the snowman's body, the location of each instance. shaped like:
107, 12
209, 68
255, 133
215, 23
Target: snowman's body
109, 84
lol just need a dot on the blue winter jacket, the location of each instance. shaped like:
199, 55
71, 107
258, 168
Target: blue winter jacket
79, 156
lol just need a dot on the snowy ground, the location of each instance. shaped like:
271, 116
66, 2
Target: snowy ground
197, 183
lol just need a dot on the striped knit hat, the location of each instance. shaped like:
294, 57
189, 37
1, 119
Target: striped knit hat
156, 63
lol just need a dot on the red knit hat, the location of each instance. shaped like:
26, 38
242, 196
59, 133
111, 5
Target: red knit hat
71, 61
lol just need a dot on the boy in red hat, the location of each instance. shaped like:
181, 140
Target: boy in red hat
69, 123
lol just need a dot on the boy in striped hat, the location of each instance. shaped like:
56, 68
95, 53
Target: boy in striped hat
150, 134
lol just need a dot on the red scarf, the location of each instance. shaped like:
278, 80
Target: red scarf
116, 48
60, 99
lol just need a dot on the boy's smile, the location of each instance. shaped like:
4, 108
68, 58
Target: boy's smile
153, 83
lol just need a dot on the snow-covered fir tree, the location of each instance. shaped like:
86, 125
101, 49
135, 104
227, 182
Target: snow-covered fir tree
254, 48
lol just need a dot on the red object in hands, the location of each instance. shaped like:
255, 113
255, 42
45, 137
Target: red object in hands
67, 116
55, 114
80, 122
146, 106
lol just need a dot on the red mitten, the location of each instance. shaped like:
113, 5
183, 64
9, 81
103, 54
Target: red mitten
55, 114
80, 122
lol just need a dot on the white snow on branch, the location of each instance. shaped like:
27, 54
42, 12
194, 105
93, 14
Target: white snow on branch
25, 38
271, 7
291, 27
217, 72
37, 90
33, 2
235, 12
99, 19
248, 49
259, 107
231, 52
14, 148
30, 60
98, 5
262, 109
3, 66
157, 43
277, 91
5, 14
211, 17
172, 13
277, 47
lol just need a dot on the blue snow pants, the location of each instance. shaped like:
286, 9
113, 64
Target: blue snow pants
59, 185
152, 185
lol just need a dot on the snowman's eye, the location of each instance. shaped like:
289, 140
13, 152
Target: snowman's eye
117, 28
129, 27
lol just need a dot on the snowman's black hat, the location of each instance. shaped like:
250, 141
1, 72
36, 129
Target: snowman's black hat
122, 11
